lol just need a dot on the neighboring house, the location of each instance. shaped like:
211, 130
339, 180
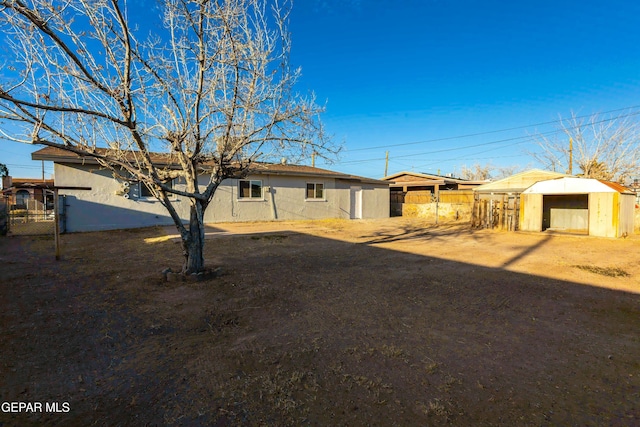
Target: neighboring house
584, 205
406, 183
270, 192
27, 193
414, 188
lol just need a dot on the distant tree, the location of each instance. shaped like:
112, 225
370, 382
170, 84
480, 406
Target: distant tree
603, 148
211, 87
4, 171
477, 172
506, 171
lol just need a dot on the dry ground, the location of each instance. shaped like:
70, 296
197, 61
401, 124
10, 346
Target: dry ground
323, 323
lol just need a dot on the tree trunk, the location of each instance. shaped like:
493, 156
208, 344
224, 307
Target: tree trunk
193, 245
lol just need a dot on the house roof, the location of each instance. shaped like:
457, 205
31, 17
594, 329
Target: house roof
31, 182
573, 185
519, 182
10, 184
418, 179
58, 155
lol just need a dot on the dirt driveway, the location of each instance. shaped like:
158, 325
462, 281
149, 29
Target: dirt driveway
388, 322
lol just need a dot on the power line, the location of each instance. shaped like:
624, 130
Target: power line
498, 130
25, 166
444, 150
472, 157
524, 138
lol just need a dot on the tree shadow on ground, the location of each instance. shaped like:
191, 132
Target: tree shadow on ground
412, 231
309, 330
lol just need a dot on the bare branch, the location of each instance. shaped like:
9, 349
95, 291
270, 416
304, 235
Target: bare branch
211, 88
598, 147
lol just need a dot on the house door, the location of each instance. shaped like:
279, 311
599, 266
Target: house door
355, 211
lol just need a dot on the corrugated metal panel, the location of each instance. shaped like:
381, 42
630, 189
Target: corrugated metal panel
617, 187
569, 185
517, 183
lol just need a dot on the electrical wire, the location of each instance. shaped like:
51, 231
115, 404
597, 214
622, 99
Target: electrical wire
498, 130
524, 138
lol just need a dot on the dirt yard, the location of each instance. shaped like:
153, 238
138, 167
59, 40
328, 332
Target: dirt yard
323, 323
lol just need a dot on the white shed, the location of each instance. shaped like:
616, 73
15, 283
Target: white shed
590, 206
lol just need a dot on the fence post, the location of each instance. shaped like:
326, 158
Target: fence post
473, 213
516, 213
4, 217
56, 222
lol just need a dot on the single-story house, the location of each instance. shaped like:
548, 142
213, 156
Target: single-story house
269, 192
23, 193
585, 205
415, 188
408, 183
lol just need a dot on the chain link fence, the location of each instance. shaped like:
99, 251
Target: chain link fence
32, 218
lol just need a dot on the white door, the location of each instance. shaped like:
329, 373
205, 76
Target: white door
356, 203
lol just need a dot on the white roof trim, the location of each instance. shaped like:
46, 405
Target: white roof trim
569, 186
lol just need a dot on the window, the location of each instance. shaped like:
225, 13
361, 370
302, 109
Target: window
22, 197
315, 190
145, 191
249, 189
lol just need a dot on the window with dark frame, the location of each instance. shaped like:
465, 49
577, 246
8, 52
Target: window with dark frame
145, 191
249, 189
315, 190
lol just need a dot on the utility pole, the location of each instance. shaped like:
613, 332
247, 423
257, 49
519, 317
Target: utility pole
570, 156
386, 164
313, 159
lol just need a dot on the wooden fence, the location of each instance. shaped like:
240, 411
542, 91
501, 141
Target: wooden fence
501, 212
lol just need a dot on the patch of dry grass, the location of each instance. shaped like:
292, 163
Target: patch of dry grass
604, 271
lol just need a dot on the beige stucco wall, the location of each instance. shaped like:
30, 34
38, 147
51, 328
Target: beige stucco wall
375, 200
446, 211
283, 198
101, 208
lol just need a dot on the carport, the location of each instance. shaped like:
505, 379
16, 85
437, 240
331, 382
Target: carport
580, 205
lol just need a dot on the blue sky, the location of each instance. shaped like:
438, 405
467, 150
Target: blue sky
413, 77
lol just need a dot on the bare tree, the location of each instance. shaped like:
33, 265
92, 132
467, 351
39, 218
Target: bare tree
603, 148
477, 172
482, 172
210, 87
